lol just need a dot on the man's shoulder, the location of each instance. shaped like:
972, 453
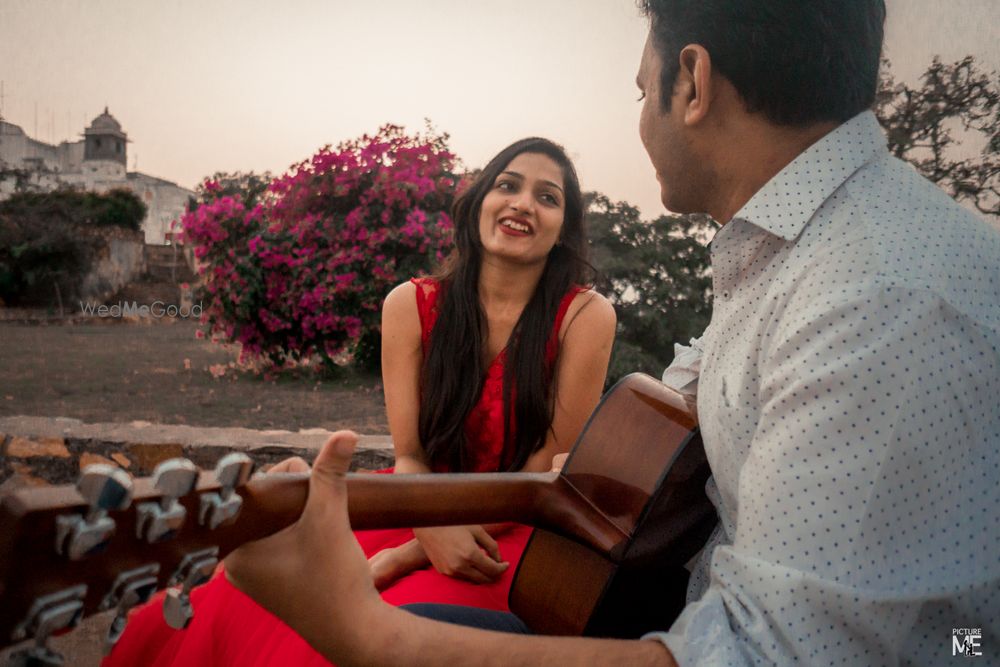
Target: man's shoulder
915, 235
897, 198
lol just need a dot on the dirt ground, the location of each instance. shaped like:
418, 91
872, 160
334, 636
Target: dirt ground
113, 371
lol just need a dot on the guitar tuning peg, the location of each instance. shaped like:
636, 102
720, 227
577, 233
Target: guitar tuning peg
157, 522
104, 487
195, 569
232, 471
131, 588
48, 614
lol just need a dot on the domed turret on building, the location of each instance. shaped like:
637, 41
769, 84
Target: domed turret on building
104, 140
98, 162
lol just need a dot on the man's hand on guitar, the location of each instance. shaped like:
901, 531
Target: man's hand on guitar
313, 574
465, 552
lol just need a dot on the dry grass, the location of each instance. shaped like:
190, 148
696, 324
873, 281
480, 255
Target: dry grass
120, 372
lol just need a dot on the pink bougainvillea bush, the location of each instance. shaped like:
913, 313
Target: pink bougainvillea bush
301, 275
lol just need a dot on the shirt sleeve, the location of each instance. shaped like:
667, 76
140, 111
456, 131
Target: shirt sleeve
868, 497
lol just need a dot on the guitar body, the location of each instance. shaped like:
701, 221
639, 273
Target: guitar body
641, 463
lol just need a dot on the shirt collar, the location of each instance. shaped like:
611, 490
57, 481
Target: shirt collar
790, 199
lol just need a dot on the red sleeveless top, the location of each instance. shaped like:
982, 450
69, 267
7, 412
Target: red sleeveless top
485, 424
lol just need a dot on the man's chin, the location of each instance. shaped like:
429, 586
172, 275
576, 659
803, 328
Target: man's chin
671, 204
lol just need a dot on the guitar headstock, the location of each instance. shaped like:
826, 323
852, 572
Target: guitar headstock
110, 542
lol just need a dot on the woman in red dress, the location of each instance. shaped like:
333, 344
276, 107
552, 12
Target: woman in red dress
492, 365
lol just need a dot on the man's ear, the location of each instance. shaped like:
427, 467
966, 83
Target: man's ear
694, 83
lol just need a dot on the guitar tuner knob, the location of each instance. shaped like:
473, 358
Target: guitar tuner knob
195, 569
232, 471
48, 614
159, 521
104, 488
131, 588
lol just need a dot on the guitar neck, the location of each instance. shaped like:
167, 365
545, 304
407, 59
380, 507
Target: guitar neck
544, 500
271, 503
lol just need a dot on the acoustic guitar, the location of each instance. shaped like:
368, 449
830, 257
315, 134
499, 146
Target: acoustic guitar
614, 528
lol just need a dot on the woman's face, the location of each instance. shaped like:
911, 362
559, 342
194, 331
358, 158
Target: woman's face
522, 214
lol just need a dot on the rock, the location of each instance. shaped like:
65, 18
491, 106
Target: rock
21, 478
147, 456
26, 448
89, 458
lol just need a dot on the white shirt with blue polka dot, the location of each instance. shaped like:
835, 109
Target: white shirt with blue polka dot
849, 400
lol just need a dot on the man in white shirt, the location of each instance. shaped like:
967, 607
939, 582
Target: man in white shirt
847, 391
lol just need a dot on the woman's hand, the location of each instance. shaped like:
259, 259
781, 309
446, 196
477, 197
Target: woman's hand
393, 563
463, 552
293, 464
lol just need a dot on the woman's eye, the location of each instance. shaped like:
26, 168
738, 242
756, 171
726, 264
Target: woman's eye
551, 199
642, 96
505, 185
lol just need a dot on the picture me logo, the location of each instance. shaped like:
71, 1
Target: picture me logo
967, 641
156, 309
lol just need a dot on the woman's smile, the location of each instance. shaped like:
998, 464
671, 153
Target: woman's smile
515, 226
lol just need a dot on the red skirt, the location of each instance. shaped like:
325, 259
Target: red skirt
231, 629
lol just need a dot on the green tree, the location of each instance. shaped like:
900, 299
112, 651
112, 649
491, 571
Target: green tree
955, 103
656, 274
245, 186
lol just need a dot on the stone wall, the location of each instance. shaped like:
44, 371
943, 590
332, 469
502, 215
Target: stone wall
120, 260
45, 450
165, 202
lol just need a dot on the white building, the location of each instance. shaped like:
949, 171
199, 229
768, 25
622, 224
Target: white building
97, 163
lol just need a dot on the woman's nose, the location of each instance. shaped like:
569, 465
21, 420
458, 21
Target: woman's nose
521, 202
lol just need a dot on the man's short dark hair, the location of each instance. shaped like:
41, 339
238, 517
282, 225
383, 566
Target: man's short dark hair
796, 61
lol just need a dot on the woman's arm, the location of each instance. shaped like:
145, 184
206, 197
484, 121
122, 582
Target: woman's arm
587, 334
402, 356
459, 551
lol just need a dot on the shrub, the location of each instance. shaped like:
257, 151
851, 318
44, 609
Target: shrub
40, 261
302, 274
116, 208
43, 254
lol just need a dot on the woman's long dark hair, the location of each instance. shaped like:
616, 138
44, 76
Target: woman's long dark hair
454, 372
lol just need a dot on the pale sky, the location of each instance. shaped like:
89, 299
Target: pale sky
225, 85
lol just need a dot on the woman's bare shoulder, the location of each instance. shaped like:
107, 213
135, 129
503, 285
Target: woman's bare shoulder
589, 308
402, 295
400, 314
